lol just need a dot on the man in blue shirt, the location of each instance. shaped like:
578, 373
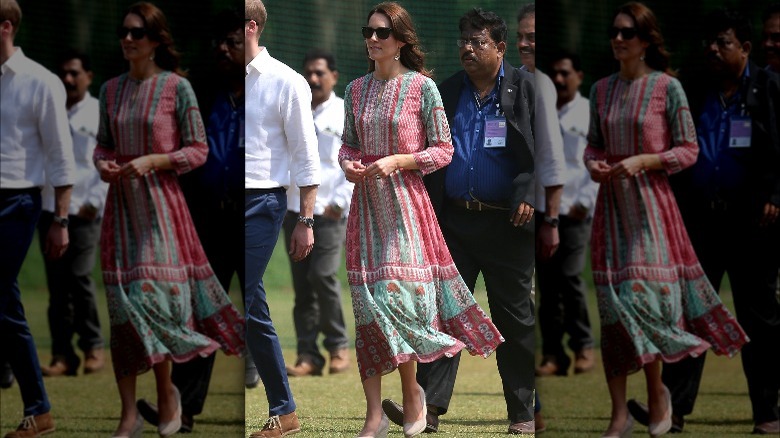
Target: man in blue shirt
215, 197
480, 201
730, 201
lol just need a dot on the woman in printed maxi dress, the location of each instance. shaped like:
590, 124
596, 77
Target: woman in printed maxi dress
655, 303
409, 300
165, 303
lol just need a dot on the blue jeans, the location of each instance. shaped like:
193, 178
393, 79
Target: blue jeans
262, 222
19, 212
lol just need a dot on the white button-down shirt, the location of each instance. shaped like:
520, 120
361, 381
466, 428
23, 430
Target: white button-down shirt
578, 188
84, 118
549, 159
35, 142
334, 188
280, 138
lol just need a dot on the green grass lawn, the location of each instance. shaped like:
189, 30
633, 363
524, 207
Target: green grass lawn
333, 406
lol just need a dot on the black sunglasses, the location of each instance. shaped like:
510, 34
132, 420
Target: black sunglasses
627, 32
382, 33
136, 33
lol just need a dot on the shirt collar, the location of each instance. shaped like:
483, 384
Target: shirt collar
260, 62
15, 62
499, 77
79, 104
567, 106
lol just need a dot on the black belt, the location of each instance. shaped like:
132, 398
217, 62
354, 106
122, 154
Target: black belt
479, 206
265, 191
14, 192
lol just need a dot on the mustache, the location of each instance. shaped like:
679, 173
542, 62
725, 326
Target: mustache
559, 87
467, 56
315, 86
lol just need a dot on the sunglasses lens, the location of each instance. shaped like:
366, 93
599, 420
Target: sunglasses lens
367, 32
613, 32
383, 33
137, 33
628, 33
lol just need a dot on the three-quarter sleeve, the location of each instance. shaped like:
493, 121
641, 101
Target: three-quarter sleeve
439, 151
684, 148
194, 148
350, 144
595, 148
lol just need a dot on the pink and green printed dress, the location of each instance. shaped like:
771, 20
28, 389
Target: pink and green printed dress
164, 300
655, 301
409, 300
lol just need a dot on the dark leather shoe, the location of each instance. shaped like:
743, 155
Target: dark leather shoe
251, 378
768, 428
539, 425
639, 411
522, 428
148, 411
395, 413
584, 361
553, 366
60, 366
6, 376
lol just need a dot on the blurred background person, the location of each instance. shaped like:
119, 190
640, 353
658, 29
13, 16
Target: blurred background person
165, 303
72, 306
655, 302
315, 279
214, 194
771, 37
37, 148
563, 305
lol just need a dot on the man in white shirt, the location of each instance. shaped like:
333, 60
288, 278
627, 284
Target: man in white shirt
72, 306
562, 303
315, 279
34, 138
281, 146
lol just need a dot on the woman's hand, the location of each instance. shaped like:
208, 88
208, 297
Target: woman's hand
353, 170
137, 167
628, 167
109, 170
382, 167
599, 170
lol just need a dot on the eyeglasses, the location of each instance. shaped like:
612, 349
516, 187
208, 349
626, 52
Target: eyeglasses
229, 41
628, 33
721, 42
136, 33
474, 43
382, 33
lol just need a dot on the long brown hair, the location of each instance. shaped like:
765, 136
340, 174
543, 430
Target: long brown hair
412, 56
165, 55
656, 56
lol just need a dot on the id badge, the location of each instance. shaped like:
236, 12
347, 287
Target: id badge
740, 129
495, 132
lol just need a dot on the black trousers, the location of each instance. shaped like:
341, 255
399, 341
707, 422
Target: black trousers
732, 242
562, 293
221, 232
72, 303
487, 242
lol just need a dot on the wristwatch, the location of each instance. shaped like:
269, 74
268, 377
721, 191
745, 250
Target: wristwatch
61, 221
553, 221
308, 221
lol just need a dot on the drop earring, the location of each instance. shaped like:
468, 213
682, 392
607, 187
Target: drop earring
397, 55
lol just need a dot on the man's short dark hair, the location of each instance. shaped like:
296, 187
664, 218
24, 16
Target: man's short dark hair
773, 9
721, 20
70, 54
526, 11
227, 21
560, 55
479, 19
315, 54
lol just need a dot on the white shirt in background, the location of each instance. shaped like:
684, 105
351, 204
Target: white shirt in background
578, 188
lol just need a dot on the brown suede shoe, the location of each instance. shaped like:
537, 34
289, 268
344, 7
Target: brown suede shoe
768, 428
279, 426
584, 361
524, 428
33, 426
551, 367
339, 361
94, 361
60, 367
304, 367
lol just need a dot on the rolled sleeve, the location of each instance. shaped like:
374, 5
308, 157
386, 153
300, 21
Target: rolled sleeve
55, 134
